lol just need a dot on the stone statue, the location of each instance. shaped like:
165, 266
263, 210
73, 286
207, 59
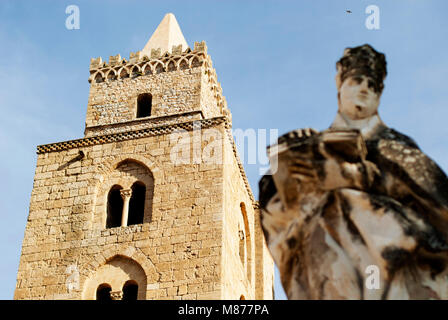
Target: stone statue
356, 211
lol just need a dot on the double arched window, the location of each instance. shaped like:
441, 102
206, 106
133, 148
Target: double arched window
120, 278
126, 206
125, 196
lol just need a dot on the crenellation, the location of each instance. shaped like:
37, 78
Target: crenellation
200, 47
115, 60
144, 65
96, 63
135, 57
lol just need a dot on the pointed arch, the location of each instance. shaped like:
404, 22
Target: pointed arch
123, 73
111, 75
183, 64
135, 71
99, 77
196, 62
147, 69
171, 66
159, 68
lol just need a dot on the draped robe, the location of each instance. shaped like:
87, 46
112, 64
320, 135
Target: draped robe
385, 217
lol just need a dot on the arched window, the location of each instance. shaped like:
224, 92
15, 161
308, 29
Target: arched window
137, 203
130, 290
103, 292
248, 251
126, 196
242, 246
144, 105
114, 207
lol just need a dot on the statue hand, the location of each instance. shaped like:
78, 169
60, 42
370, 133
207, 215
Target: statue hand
298, 135
301, 168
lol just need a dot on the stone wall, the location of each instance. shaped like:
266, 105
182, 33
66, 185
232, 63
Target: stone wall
180, 246
116, 101
242, 276
236, 268
264, 272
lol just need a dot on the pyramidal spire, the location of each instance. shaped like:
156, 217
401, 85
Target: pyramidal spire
167, 35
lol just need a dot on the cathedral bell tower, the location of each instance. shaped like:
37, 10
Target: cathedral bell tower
153, 202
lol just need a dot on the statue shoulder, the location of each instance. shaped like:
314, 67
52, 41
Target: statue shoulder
386, 133
400, 155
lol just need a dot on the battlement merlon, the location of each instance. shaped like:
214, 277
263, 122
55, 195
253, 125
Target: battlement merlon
156, 54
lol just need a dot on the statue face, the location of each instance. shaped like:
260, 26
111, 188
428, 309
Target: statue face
357, 98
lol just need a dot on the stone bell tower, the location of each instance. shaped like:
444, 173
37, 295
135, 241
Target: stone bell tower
153, 202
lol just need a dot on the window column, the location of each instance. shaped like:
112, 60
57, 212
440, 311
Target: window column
116, 295
126, 195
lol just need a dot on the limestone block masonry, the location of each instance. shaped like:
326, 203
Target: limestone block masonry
199, 236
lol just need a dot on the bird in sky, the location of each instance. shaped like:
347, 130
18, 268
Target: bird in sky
348, 11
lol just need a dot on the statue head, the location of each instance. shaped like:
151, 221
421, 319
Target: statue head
361, 72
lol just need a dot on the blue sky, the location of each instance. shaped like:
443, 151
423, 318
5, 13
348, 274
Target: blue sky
275, 61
